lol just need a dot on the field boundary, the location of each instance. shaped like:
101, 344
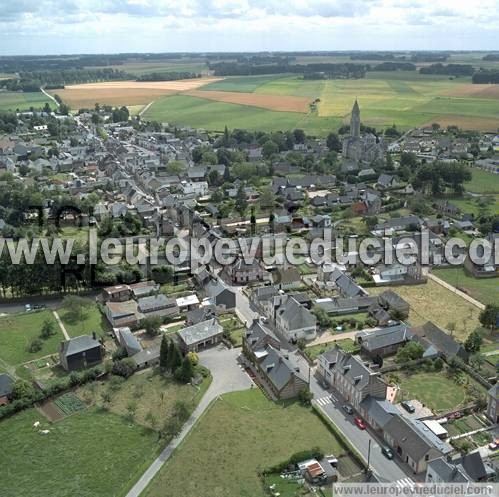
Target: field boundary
455, 290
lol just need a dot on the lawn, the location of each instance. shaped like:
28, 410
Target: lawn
435, 390
93, 320
92, 453
11, 100
433, 302
346, 344
482, 182
17, 330
239, 435
470, 205
485, 290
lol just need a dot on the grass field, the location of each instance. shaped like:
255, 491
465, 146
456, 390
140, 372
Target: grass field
435, 390
241, 433
471, 205
433, 302
92, 453
93, 320
485, 290
10, 100
482, 182
242, 83
16, 331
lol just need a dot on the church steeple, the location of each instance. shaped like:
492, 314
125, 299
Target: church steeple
355, 121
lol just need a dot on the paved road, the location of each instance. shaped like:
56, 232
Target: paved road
227, 377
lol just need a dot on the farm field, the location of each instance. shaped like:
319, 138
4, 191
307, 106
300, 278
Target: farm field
485, 290
433, 302
17, 330
214, 116
10, 100
124, 92
140, 67
242, 83
92, 453
248, 428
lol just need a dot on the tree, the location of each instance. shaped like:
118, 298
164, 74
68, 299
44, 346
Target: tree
409, 352
76, 307
241, 202
269, 149
299, 135
152, 325
473, 342
34, 345
477, 360
333, 142
305, 396
22, 390
174, 357
48, 329
489, 316
123, 368
408, 159
186, 371
163, 352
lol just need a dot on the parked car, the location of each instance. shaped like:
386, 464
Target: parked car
387, 452
39, 306
361, 424
348, 409
408, 406
27, 307
494, 445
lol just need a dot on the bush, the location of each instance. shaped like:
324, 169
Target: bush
34, 345
123, 368
119, 353
314, 453
305, 396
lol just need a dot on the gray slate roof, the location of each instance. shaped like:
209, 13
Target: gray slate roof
6, 384
79, 344
279, 369
200, 331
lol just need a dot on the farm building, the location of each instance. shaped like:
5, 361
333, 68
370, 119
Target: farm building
200, 335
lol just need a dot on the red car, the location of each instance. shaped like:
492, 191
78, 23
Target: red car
360, 422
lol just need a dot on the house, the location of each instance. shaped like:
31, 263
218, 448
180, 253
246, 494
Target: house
345, 284
147, 357
281, 375
200, 314
386, 274
393, 302
128, 340
475, 467
117, 293
257, 337
387, 181
80, 352
220, 296
383, 342
493, 404
122, 313
200, 335
350, 376
144, 288
286, 278
295, 321
413, 442
436, 342
6, 385
242, 272
440, 470
406, 223
158, 305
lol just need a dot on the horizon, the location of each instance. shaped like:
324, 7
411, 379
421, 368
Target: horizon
42, 28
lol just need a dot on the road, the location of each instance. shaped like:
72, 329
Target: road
227, 377
49, 96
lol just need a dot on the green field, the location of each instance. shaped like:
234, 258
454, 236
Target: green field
471, 205
485, 290
241, 83
140, 67
93, 320
92, 453
435, 390
482, 182
17, 330
240, 434
214, 116
10, 100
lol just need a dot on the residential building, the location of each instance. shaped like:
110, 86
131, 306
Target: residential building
295, 321
158, 305
128, 340
383, 342
493, 404
437, 342
80, 352
200, 335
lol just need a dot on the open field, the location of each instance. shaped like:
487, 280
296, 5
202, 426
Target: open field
10, 100
485, 290
470, 205
124, 92
214, 116
92, 453
436, 390
433, 302
92, 321
482, 182
282, 103
17, 330
140, 66
241, 433
242, 83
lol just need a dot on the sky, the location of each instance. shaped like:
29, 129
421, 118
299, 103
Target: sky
110, 26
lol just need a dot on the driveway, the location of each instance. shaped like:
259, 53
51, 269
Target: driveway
228, 376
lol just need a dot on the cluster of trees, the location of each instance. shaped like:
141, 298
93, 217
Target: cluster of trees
36, 344
491, 57
8, 122
441, 176
33, 80
168, 76
486, 76
329, 70
376, 56
449, 69
172, 361
395, 66
409, 352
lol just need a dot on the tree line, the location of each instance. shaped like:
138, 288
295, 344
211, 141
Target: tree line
168, 76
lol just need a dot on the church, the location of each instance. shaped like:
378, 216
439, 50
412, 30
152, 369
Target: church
360, 151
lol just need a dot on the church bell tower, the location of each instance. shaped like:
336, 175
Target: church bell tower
355, 121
